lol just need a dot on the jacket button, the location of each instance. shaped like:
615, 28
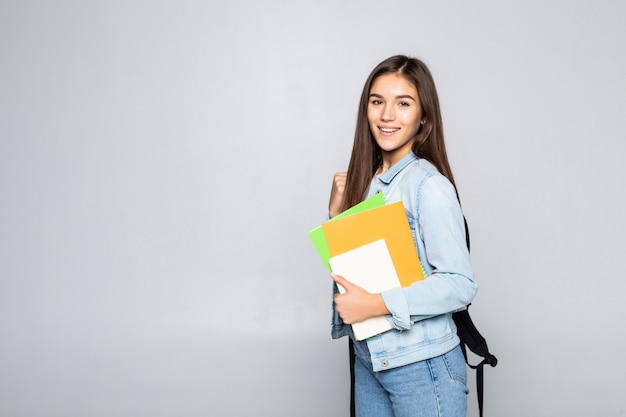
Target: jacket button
384, 364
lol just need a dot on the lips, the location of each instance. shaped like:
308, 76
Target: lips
388, 130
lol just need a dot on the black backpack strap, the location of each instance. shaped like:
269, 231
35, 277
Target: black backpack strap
352, 401
472, 339
467, 237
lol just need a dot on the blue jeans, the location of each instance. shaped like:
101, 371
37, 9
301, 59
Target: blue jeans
433, 387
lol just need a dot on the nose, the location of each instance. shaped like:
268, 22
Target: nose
388, 113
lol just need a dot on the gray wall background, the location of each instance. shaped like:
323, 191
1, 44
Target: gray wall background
161, 163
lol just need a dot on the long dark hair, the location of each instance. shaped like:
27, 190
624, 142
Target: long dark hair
429, 143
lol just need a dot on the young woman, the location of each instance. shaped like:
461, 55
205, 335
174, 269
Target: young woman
417, 368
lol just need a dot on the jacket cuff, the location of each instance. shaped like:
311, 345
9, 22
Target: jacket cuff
396, 303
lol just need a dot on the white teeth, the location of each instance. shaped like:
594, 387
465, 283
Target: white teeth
388, 130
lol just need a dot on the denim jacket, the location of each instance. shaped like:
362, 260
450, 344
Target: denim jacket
421, 314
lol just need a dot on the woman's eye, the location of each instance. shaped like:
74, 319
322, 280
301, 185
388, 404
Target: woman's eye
376, 102
404, 103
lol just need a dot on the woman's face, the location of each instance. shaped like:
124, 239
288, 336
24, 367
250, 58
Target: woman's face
394, 113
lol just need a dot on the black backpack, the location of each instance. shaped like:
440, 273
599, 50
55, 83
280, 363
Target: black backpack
470, 339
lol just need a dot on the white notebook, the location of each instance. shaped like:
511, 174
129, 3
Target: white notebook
371, 268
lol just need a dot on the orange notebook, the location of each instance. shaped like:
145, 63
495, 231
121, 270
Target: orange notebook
387, 222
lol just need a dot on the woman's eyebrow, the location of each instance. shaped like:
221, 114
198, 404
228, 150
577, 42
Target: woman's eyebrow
402, 96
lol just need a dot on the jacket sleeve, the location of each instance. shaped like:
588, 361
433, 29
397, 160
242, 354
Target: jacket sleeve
441, 245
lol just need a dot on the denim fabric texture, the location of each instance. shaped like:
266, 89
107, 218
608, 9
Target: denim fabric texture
421, 315
435, 387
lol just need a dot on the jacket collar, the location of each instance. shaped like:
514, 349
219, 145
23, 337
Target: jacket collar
395, 169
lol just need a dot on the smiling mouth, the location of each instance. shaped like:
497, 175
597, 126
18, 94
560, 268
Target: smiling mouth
388, 129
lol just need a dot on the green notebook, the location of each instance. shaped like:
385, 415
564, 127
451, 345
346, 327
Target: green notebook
317, 234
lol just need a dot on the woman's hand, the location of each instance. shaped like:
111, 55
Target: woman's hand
336, 193
356, 304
